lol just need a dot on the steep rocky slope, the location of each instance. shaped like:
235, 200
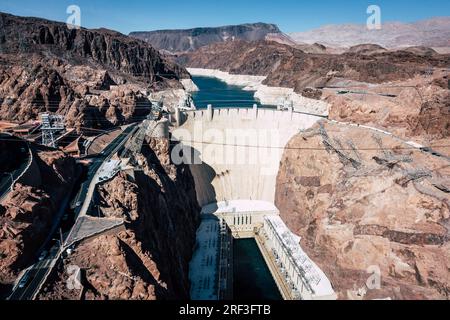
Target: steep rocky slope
103, 47
362, 201
286, 66
97, 78
418, 108
433, 32
193, 39
149, 260
27, 213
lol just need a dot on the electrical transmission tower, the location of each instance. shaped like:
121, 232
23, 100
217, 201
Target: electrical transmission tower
50, 125
157, 109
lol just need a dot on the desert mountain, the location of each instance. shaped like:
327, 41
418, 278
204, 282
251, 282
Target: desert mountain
430, 33
45, 66
192, 39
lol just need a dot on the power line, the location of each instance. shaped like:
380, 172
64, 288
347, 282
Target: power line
301, 148
264, 147
110, 130
58, 102
272, 147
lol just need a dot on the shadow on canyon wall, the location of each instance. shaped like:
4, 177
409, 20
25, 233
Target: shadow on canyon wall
202, 173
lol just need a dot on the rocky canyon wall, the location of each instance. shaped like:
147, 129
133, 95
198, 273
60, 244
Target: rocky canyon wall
363, 203
149, 259
27, 212
96, 78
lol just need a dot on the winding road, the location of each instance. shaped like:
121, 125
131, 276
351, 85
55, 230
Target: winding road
34, 278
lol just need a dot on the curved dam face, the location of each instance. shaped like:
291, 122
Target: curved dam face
235, 154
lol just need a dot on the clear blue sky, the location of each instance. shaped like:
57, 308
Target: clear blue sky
290, 15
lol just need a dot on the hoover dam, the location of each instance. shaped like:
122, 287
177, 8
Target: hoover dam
236, 152
234, 155
221, 163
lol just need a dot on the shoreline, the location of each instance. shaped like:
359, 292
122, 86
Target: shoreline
189, 85
265, 94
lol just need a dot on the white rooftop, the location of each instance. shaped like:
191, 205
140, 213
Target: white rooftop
108, 170
314, 275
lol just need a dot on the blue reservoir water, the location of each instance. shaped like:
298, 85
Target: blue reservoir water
221, 95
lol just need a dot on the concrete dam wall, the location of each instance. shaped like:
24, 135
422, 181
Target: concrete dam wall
235, 154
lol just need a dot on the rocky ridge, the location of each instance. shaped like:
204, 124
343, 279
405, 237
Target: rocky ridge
97, 78
434, 32
179, 41
286, 66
